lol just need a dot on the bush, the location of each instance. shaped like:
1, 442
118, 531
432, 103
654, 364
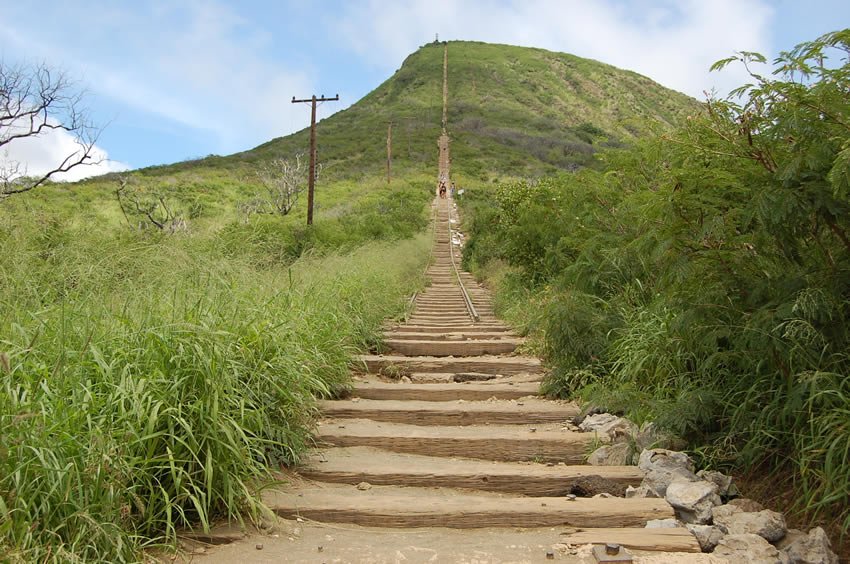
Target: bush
703, 278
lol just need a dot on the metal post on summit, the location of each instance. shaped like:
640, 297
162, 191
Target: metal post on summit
311, 179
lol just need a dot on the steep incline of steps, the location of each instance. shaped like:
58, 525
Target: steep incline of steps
445, 430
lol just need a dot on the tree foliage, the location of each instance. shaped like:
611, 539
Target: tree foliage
703, 278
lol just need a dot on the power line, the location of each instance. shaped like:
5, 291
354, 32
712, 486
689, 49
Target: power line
311, 181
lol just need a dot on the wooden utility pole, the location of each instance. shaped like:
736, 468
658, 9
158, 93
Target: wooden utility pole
445, 87
311, 179
389, 150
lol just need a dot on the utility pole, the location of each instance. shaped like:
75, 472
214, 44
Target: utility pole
445, 87
311, 179
389, 150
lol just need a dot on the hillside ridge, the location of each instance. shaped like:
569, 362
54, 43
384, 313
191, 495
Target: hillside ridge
516, 111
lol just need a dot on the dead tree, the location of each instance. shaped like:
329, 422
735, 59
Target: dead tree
283, 181
35, 101
147, 209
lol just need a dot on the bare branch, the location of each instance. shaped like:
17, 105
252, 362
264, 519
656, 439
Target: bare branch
283, 180
36, 101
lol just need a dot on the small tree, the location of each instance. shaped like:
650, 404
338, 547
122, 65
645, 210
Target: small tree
147, 208
35, 101
283, 180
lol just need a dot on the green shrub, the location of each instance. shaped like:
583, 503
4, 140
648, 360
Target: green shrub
702, 279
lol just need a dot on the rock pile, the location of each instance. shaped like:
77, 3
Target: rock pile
706, 502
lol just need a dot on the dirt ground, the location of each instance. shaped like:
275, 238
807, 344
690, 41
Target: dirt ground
310, 542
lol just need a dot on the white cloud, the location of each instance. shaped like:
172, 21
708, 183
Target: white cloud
672, 42
198, 64
41, 154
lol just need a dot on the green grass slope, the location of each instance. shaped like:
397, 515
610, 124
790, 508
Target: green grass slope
513, 111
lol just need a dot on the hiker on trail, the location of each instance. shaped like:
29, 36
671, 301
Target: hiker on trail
442, 190
454, 190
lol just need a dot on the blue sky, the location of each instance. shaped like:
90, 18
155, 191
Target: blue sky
173, 80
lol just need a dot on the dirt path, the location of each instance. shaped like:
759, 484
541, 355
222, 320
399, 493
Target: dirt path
445, 454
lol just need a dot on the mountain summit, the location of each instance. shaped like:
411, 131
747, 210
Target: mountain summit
511, 110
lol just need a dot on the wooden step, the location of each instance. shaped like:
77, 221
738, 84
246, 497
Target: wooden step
387, 506
462, 377
446, 336
674, 539
467, 328
537, 442
486, 364
452, 348
529, 410
448, 319
352, 465
440, 309
469, 391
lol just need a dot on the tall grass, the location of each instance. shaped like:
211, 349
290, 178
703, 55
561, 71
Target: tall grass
147, 383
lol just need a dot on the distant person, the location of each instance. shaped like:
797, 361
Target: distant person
454, 190
442, 190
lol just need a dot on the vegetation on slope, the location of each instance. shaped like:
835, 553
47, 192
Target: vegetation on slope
149, 381
702, 278
514, 111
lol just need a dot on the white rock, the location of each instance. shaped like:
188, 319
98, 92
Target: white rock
813, 548
619, 454
693, 501
723, 513
661, 458
725, 484
620, 430
659, 479
663, 524
640, 491
751, 549
767, 524
707, 535
595, 422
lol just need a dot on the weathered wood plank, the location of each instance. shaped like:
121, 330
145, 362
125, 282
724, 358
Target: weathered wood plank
444, 392
676, 539
401, 507
530, 410
362, 464
491, 442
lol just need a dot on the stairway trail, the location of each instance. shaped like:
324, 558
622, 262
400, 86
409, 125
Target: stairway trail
447, 430
446, 453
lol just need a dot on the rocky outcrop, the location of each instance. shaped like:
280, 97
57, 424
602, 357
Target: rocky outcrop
752, 549
693, 501
618, 454
663, 524
725, 484
707, 535
813, 548
664, 467
767, 524
742, 530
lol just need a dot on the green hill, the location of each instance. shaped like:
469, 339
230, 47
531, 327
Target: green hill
512, 110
